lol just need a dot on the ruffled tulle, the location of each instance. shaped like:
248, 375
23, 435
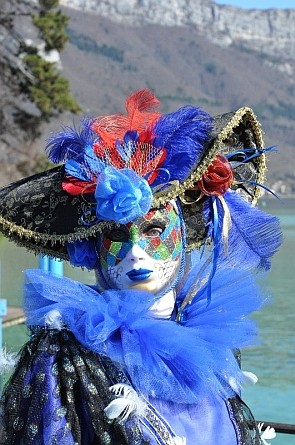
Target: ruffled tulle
165, 359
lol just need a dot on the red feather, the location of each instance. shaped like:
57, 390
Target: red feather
75, 186
147, 135
141, 111
141, 107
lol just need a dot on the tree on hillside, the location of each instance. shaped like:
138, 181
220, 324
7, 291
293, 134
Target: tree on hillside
52, 23
49, 90
32, 87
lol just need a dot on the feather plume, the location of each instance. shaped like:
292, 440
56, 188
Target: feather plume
254, 236
78, 171
70, 143
93, 165
127, 402
143, 101
53, 320
183, 134
152, 145
141, 112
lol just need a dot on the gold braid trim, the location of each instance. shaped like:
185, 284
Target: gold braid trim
180, 189
15, 231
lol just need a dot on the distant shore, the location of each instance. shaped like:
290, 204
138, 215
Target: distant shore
274, 203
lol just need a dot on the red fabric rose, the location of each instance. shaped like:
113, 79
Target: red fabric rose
218, 177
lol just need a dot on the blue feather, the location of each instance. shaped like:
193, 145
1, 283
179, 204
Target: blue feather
248, 154
131, 136
129, 145
183, 134
253, 153
70, 143
73, 168
92, 163
254, 236
264, 187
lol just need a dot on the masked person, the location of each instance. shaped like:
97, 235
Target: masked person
161, 207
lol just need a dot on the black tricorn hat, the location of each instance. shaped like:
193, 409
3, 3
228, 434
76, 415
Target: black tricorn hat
39, 213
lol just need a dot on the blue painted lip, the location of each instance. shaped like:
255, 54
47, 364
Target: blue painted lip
139, 274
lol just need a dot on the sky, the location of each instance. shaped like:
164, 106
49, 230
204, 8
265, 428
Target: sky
259, 4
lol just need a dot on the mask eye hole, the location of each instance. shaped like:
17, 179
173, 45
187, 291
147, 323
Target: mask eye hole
118, 234
153, 231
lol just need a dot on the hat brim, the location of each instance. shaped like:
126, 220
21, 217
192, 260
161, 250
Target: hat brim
37, 213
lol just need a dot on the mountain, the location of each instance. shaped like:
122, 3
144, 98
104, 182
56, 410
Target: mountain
269, 32
217, 57
186, 51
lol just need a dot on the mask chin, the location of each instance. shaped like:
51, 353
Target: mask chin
162, 280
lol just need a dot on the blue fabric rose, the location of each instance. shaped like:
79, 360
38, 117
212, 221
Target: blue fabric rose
121, 195
82, 254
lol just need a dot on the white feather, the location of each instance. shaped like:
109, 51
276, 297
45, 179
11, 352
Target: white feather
250, 377
7, 361
53, 320
268, 433
120, 408
127, 402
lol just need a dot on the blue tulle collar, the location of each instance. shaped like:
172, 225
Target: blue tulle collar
163, 358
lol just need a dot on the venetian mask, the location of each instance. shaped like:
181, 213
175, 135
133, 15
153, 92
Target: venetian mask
145, 254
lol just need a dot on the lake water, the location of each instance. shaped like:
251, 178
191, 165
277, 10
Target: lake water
273, 397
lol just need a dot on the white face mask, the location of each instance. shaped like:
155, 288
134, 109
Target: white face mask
145, 254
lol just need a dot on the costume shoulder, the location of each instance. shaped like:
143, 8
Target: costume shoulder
58, 393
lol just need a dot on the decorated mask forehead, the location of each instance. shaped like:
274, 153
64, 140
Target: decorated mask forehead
158, 233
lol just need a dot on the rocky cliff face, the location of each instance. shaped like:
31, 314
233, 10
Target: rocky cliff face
18, 115
270, 33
